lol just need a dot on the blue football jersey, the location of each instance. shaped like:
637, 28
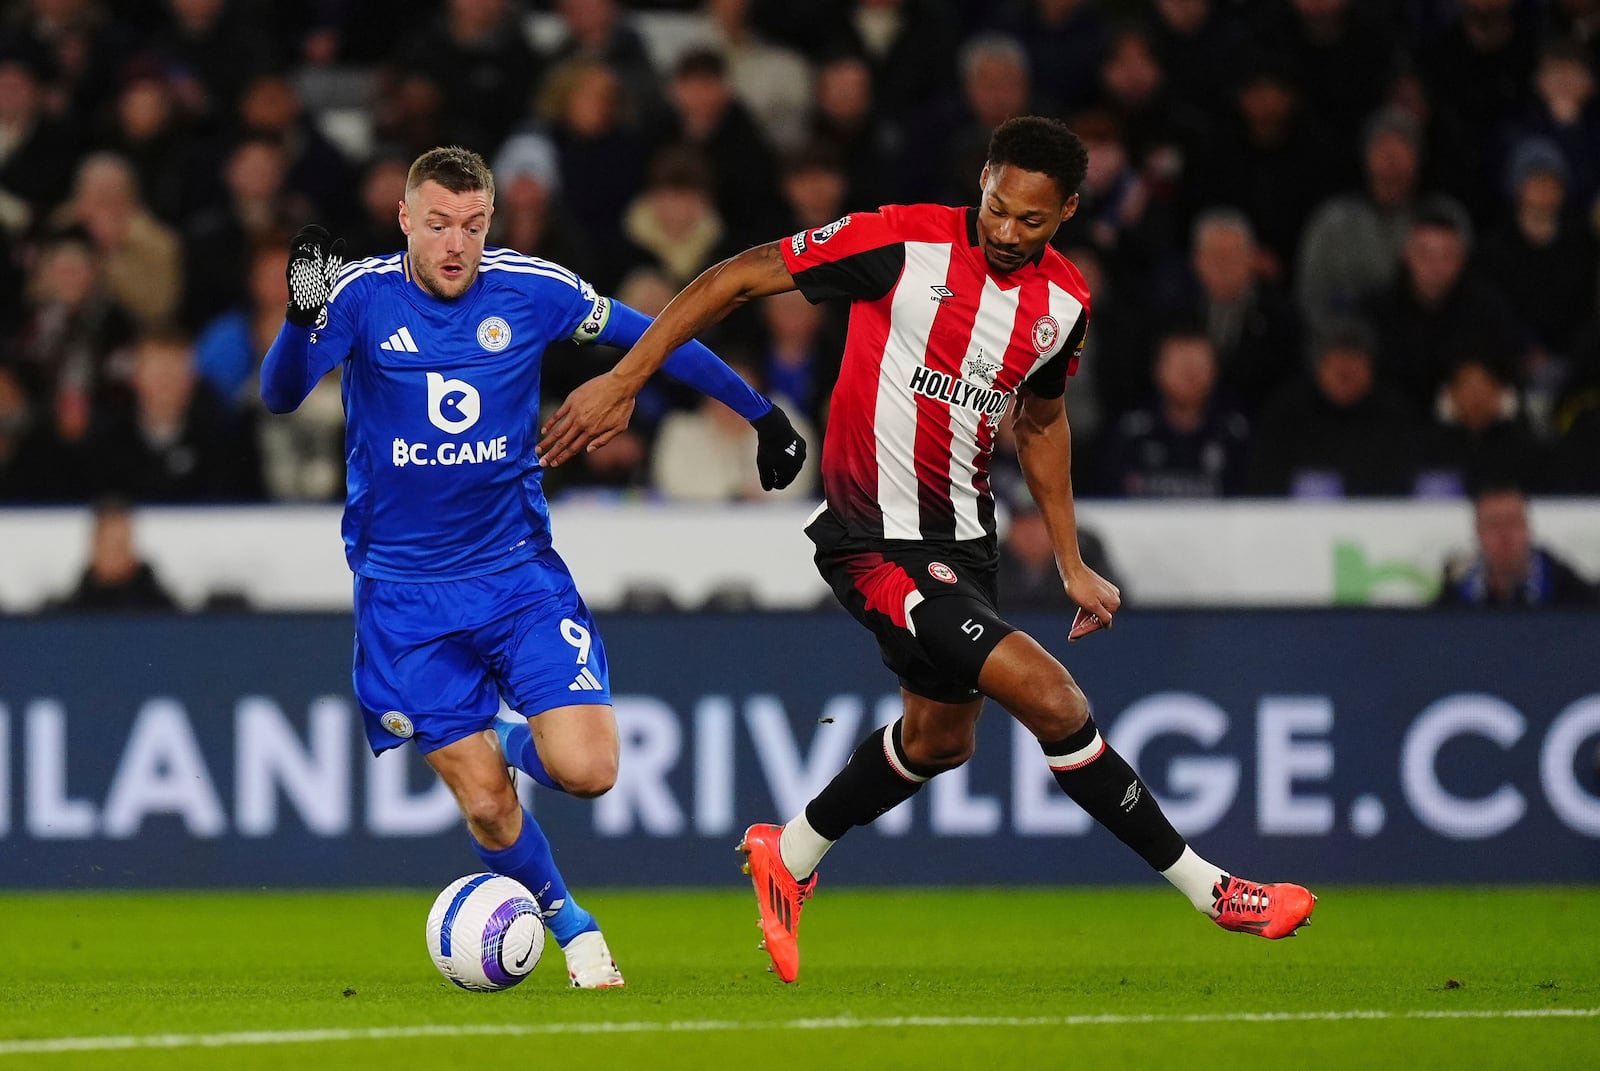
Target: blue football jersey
441, 406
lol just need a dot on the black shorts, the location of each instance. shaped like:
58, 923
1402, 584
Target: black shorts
883, 581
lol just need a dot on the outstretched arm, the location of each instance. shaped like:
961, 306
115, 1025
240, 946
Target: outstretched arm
599, 409
780, 450
692, 363
287, 375
293, 363
1044, 448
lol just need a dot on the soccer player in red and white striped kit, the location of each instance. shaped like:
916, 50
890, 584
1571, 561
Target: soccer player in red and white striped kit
958, 315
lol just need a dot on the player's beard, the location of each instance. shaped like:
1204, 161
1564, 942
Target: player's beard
444, 288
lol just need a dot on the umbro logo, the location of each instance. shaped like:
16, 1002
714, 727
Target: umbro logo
1130, 798
586, 682
402, 341
942, 294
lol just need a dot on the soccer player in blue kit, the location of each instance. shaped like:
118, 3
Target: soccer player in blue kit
460, 599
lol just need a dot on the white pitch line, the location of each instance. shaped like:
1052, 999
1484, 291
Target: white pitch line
34, 1047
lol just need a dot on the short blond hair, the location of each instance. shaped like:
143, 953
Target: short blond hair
456, 169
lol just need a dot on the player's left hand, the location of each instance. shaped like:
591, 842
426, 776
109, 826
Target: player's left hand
589, 418
315, 260
780, 450
1098, 600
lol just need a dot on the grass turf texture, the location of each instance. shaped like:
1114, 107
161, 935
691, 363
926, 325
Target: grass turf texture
110, 965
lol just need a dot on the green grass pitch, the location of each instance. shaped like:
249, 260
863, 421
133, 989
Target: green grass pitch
933, 979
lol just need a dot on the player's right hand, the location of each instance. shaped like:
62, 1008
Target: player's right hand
1098, 600
590, 417
314, 263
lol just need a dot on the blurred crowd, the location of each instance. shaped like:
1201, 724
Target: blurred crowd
1336, 247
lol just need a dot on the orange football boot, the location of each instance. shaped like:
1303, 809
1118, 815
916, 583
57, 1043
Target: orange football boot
1270, 910
779, 896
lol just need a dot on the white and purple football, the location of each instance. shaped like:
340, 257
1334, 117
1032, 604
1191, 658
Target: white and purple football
485, 932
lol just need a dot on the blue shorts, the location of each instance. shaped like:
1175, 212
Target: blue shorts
432, 661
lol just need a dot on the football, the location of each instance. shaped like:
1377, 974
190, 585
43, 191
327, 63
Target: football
485, 932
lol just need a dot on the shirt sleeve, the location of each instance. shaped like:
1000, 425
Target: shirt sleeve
336, 337
690, 363
299, 357
1050, 381
857, 257
587, 314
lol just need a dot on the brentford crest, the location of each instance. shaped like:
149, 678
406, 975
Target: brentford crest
1045, 333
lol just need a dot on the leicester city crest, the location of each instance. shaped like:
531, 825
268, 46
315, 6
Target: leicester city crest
398, 724
494, 334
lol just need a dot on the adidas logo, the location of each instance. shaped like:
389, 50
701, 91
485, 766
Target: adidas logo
790, 451
402, 341
586, 682
779, 905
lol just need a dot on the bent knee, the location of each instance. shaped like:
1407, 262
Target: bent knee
496, 814
588, 778
1065, 712
939, 751
942, 759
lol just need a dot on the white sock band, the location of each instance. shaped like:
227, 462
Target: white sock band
1195, 878
896, 761
1081, 757
802, 847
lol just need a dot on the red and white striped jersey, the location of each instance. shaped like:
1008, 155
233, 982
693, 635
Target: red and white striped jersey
939, 344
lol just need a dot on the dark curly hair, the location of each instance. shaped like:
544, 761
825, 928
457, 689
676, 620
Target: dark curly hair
1048, 146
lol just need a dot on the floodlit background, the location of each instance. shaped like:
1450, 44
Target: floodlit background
1343, 258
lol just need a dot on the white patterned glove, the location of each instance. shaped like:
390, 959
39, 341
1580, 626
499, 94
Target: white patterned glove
314, 263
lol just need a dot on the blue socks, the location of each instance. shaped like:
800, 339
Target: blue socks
530, 861
516, 744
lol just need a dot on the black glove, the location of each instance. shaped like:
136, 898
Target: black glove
314, 264
780, 451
